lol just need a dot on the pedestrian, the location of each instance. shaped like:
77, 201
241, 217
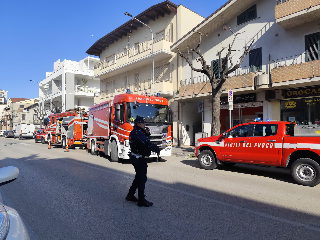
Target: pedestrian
141, 147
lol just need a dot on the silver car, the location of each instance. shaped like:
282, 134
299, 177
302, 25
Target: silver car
11, 224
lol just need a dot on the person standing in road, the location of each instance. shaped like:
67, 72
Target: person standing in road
141, 147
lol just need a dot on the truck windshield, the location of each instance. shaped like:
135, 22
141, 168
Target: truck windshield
152, 113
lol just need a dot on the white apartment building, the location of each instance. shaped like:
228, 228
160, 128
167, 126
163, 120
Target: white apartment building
71, 85
126, 53
279, 78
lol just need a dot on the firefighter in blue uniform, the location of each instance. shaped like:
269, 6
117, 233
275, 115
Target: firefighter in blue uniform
141, 147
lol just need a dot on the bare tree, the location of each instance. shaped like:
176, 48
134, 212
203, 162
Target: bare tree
217, 83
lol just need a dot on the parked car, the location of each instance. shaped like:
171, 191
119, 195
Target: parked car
9, 134
11, 224
40, 136
2, 133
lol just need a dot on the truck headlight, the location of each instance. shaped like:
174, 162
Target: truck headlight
4, 222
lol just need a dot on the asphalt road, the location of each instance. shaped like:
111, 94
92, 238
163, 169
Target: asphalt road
74, 195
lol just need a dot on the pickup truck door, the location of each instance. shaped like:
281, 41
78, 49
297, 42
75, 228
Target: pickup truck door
236, 144
266, 143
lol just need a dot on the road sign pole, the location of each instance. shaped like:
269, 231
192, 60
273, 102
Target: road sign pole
230, 100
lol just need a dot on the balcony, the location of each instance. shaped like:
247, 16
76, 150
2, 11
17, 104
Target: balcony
135, 57
244, 82
306, 73
293, 13
85, 91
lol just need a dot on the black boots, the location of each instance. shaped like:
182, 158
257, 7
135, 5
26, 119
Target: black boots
131, 198
144, 203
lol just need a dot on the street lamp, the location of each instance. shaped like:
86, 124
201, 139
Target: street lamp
128, 14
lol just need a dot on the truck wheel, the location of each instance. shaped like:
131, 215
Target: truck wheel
35, 140
207, 160
93, 148
114, 152
64, 144
306, 171
42, 140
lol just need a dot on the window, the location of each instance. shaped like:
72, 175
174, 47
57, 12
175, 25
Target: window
255, 59
136, 48
21, 106
126, 82
216, 69
265, 130
23, 117
241, 131
249, 14
312, 44
136, 81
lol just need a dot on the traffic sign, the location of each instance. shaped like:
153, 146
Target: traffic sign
230, 95
230, 105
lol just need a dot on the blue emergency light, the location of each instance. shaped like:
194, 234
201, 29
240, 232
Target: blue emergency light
158, 94
257, 119
128, 91
268, 120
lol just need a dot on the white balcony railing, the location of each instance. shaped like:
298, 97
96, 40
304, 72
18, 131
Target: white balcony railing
85, 89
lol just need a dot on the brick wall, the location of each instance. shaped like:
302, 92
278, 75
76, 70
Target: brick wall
241, 81
296, 72
294, 6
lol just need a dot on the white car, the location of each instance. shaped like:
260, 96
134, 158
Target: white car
11, 224
2, 132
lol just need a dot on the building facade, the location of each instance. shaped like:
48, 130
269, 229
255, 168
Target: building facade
278, 79
18, 111
3, 104
127, 53
71, 85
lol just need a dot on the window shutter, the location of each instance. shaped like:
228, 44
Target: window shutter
215, 68
312, 47
255, 59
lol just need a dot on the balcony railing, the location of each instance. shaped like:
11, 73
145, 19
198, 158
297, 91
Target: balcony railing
281, 1
84, 89
204, 78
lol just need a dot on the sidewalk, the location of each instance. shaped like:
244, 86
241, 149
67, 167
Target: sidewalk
185, 151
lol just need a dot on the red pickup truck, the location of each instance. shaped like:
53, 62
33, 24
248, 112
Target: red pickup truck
265, 143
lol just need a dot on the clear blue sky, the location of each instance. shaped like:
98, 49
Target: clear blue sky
34, 34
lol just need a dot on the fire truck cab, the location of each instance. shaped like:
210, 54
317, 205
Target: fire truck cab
111, 122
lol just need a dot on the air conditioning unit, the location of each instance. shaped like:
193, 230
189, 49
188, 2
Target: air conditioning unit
262, 81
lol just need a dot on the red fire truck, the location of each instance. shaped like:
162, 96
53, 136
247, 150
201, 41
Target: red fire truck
67, 128
273, 143
111, 122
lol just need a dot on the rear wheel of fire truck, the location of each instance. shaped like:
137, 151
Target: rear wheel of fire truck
64, 143
306, 171
114, 151
207, 160
93, 148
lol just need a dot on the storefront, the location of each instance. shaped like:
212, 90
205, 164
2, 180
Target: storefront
301, 105
245, 109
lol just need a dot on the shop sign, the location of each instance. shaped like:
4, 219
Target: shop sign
301, 92
312, 101
243, 98
290, 104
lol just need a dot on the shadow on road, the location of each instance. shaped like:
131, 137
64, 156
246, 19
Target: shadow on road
68, 198
280, 174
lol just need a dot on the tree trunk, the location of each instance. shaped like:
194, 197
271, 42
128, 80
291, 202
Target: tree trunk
215, 126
